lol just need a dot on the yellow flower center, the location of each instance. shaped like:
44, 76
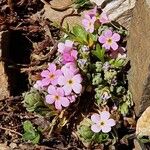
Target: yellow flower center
51, 76
57, 97
109, 41
70, 82
102, 123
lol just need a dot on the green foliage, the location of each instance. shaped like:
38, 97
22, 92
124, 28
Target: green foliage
99, 52
32, 100
101, 137
118, 63
82, 4
80, 35
30, 133
126, 104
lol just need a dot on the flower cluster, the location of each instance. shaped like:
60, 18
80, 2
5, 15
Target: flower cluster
92, 18
95, 50
62, 83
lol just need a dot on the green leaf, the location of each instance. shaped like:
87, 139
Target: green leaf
99, 52
101, 137
30, 133
80, 35
82, 4
27, 126
91, 39
36, 139
124, 109
117, 63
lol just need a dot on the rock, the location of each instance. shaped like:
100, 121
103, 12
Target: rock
137, 146
4, 147
3, 77
118, 10
56, 16
139, 55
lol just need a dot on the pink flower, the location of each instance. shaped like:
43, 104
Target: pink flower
38, 85
70, 66
56, 95
65, 47
72, 97
88, 23
109, 39
70, 56
102, 122
92, 12
70, 82
50, 75
103, 18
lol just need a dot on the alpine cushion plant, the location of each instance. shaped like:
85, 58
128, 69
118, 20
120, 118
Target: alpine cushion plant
92, 60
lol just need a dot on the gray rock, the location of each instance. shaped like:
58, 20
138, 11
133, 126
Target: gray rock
139, 55
120, 11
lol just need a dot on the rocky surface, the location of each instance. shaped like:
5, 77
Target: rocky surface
118, 10
139, 55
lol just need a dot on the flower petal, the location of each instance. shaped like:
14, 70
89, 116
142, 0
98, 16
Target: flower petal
108, 33
102, 39
95, 128
69, 43
54, 82
114, 46
49, 99
77, 88
60, 91
67, 73
51, 90
45, 81
52, 67
106, 129
58, 72
104, 115
45, 73
116, 37
62, 80
111, 122
74, 54
61, 47
85, 22
95, 118
67, 89
106, 46
58, 105
64, 102
77, 78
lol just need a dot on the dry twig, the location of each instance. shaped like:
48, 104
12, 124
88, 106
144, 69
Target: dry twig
10, 130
